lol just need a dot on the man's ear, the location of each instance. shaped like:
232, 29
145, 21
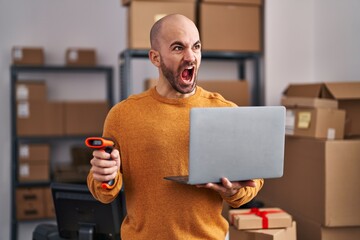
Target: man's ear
154, 57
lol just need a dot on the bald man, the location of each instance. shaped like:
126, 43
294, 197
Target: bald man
151, 132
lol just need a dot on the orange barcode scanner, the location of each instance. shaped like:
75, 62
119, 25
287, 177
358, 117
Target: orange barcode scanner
107, 145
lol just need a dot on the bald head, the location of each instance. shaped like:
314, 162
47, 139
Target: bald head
170, 22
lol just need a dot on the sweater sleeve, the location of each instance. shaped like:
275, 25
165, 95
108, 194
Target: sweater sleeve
244, 195
104, 195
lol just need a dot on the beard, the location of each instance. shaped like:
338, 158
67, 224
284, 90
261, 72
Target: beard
174, 77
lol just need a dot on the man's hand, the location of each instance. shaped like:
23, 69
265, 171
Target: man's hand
227, 188
102, 168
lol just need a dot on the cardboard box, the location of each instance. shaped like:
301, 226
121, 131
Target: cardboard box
304, 102
347, 94
39, 118
80, 57
49, 211
31, 90
34, 171
264, 234
325, 123
243, 22
34, 152
85, 118
128, 2
320, 181
29, 203
143, 14
28, 56
308, 229
259, 218
70, 173
236, 91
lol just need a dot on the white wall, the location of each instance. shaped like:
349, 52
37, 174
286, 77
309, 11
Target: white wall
310, 41
305, 41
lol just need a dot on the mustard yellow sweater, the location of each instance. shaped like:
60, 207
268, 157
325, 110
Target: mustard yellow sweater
152, 134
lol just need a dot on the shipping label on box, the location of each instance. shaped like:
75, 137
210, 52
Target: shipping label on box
259, 218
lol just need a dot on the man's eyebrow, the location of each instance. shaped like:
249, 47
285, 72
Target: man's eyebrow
182, 44
176, 43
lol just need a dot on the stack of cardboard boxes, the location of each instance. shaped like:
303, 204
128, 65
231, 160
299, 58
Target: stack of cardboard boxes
215, 20
261, 224
36, 116
322, 159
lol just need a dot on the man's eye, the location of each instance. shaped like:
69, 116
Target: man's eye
197, 46
177, 48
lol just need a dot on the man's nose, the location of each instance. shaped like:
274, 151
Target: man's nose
189, 55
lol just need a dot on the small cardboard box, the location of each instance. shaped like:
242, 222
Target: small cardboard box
34, 152
29, 203
39, 118
80, 57
143, 14
28, 56
232, 90
31, 90
320, 181
325, 123
264, 234
347, 94
236, 27
259, 218
34, 171
85, 118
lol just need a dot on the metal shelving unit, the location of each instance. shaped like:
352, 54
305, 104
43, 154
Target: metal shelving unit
15, 140
128, 55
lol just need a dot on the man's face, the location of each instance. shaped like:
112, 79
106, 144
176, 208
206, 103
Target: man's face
180, 57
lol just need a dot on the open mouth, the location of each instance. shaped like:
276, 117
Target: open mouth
187, 74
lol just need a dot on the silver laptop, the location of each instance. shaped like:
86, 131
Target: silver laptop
239, 143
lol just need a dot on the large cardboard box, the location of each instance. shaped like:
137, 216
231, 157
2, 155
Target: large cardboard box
127, 2
80, 57
31, 90
325, 123
308, 229
320, 181
39, 118
29, 203
347, 94
28, 56
85, 118
34, 152
143, 14
236, 27
232, 90
236, 91
259, 218
264, 234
